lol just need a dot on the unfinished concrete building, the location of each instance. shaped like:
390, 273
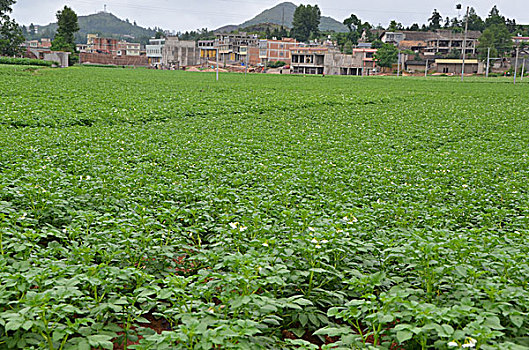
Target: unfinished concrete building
446, 41
233, 48
180, 53
310, 60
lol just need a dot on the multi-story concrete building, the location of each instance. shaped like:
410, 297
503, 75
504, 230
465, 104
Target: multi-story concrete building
129, 49
276, 50
366, 57
44, 44
308, 60
154, 51
434, 43
105, 45
208, 50
321, 60
233, 48
446, 41
110, 46
180, 53
392, 37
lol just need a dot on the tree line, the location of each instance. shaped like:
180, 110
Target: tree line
11, 34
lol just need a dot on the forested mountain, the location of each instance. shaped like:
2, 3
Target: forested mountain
283, 14
103, 23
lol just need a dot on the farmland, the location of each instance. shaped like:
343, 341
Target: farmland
163, 210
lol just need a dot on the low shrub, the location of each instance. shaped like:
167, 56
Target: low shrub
25, 62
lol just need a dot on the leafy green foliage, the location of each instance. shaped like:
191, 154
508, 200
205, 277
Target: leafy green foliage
306, 22
6, 7
283, 15
498, 38
434, 22
25, 62
10, 32
164, 210
67, 26
276, 64
10, 38
105, 25
387, 55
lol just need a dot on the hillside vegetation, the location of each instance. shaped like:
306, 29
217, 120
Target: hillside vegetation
104, 24
284, 14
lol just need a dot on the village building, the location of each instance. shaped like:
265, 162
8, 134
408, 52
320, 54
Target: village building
154, 51
454, 66
417, 66
517, 40
233, 48
446, 41
321, 60
180, 53
273, 50
392, 37
208, 50
43, 44
110, 46
128, 49
308, 60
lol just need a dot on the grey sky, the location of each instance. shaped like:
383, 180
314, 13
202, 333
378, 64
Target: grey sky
183, 15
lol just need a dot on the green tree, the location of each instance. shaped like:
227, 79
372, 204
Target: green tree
356, 28
494, 18
353, 23
68, 25
10, 38
474, 21
435, 20
486, 41
268, 33
348, 48
5, 8
414, 27
283, 32
447, 23
395, 26
377, 44
387, 56
306, 22
498, 38
10, 33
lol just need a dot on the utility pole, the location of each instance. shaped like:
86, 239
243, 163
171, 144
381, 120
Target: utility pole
516, 66
523, 69
426, 69
217, 63
398, 66
465, 45
246, 64
488, 62
363, 66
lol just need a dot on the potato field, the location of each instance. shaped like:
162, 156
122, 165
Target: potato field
144, 209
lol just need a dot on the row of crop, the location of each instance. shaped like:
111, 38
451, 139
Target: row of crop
25, 62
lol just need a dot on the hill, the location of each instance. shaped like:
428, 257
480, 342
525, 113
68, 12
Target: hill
106, 25
283, 14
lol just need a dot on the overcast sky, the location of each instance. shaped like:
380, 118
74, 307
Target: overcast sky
183, 15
